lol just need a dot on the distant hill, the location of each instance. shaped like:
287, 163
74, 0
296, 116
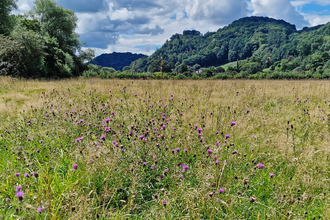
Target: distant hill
117, 60
267, 39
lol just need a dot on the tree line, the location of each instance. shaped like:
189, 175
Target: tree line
41, 43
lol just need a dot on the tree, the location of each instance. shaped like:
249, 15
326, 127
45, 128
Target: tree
6, 21
23, 53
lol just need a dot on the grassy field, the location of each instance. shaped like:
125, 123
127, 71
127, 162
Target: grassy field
123, 149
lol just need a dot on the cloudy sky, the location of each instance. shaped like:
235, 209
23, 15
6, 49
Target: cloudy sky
142, 26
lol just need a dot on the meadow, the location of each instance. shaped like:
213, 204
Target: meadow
164, 149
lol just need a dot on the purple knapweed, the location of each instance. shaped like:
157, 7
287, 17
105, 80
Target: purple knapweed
221, 190
227, 136
19, 195
271, 175
39, 210
209, 151
232, 123
260, 166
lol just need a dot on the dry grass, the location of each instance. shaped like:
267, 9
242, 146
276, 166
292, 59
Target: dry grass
303, 149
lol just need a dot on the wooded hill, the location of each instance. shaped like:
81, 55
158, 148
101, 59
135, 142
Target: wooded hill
256, 42
116, 60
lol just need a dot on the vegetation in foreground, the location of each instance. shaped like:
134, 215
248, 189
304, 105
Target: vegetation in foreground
115, 149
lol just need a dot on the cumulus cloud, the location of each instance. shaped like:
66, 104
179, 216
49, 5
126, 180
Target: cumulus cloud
153, 31
218, 12
280, 9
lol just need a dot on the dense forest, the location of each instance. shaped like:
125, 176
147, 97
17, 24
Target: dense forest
116, 60
257, 43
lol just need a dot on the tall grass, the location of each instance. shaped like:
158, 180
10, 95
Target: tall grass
117, 149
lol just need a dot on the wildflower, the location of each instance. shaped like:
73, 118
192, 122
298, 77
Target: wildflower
26, 175
19, 195
233, 123
181, 176
41, 141
18, 188
217, 144
221, 190
246, 180
17, 174
185, 150
247, 111
217, 132
271, 175
39, 210
152, 167
7, 199
164, 202
260, 166
102, 137
227, 136
107, 119
74, 166
29, 139
209, 151
185, 168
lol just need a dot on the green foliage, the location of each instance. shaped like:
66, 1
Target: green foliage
43, 44
6, 21
116, 60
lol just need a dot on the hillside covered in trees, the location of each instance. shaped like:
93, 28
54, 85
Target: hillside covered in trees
258, 43
116, 60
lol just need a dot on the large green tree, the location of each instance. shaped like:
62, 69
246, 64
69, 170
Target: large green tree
6, 21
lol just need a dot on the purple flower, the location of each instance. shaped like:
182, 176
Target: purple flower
18, 188
41, 141
185, 150
26, 175
39, 210
164, 202
7, 199
102, 137
260, 166
185, 168
181, 176
107, 119
19, 195
152, 167
221, 190
209, 151
74, 166
29, 139
271, 175
217, 144
247, 111
233, 123
227, 136
17, 174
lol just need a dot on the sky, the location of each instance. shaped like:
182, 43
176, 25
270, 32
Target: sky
143, 26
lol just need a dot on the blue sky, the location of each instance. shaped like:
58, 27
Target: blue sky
142, 26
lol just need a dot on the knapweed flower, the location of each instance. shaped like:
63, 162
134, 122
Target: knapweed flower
26, 175
181, 176
260, 166
217, 144
227, 136
185, 168
102, 137
221, 190
164, 202
41, 141
209, 151
18, 188
271, 175
17, 174
74, 166
107, 119
246, 180
39, 210
233, 123
247, 111
19, 195
153, 167
7, 199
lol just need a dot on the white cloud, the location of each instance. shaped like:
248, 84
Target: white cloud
218, 12
119, 14
279, 9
